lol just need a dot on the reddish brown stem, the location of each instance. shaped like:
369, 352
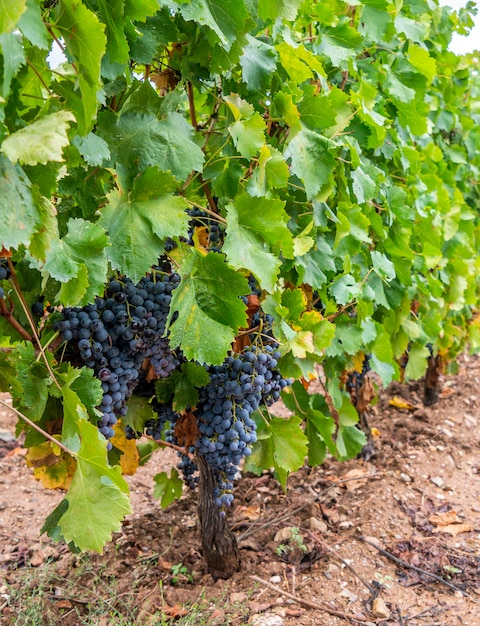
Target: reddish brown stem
191, 103
8, 315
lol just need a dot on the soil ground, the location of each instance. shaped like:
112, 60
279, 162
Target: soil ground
417, 500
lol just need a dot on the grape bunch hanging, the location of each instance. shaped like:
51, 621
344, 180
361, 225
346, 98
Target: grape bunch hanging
123, 338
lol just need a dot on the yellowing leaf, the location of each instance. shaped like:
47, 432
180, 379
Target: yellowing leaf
399, 403
52, 467
39, 142
130, 459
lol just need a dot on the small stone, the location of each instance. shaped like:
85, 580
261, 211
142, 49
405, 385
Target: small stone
379, 608
276, 579
437, 481
318, 525
284, 534
267, 619
346, 524
405, 478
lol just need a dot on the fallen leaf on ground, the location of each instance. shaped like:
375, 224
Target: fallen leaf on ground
454, 529
443, 519
400, 403
251, 512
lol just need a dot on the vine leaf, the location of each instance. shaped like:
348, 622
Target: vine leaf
86, 43
210, 311
225, 18
66, 262
93, 148
311, 160
167, 488
32, 26
256, 232
41, 141
183, 385
112, 16
273, 9
139, 221
51, 466
281, 445
138, 140
350, 441
19, 215
258, 62
98, 495
130, 458
10, 13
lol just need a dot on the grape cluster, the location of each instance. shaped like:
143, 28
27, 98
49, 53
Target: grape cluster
201, 219
355, 378
114, 335
5, 274
236, 389
162, 359
5, 271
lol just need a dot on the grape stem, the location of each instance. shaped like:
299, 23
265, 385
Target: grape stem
26, 310
167, 444
38, 429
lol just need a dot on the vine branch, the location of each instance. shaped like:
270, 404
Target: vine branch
38, 429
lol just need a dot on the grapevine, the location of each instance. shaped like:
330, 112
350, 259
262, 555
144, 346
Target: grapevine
238, 207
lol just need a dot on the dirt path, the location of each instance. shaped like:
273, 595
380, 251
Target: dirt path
418, 499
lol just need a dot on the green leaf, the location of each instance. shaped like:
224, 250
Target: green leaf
66, 262
140, 9
417, 362
225, 18
317, 111
271, 173
299, 63
112, 15
13, 59
364, 187
274, 9
98, 496
139, 140
422, 61
339, 43
350, 441
86, 44
210, 311
18, 213
258, 62
248, 135
383, 266
139, 412
10, 13
281, 445
311, 160
256, 229
167, 488
182, 385
92, 148
138, 222
30, 390
39, 142
32, 26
